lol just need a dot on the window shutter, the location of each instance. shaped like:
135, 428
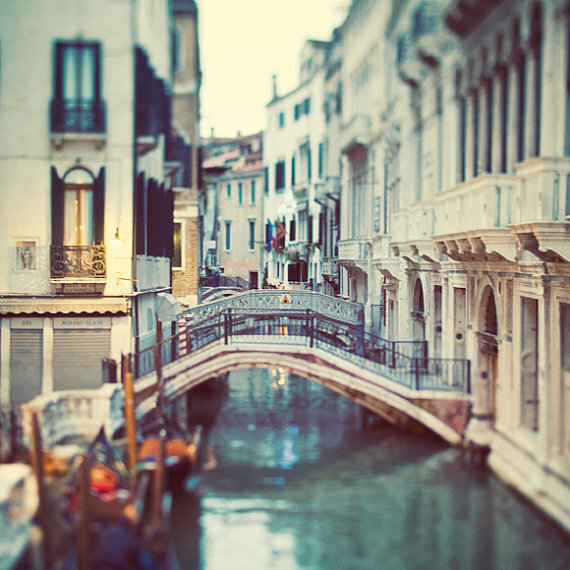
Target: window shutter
169, 224
140, 215
99, 207
56, 208
200, 169
292, 234
97, 78
58, 77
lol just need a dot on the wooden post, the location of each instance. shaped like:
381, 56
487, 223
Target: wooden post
84, 531
158, 361
37, 461
130, 416
158, 487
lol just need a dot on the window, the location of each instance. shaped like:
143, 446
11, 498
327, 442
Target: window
266, 180
565, 370
293, 170
253, 191
307, 106
281, 120
292, 229
303, 222
297, 112
229, 190
251, 238
279, 175
177, 253
77, 207
228, 226
321, 159
77, 105
240, 193
475, 131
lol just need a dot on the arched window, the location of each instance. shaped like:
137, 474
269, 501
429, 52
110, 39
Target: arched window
78, 208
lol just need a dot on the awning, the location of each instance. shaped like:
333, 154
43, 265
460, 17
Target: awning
63, 306
167, 307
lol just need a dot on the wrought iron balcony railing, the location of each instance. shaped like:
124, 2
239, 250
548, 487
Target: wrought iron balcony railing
78, 261
77, 116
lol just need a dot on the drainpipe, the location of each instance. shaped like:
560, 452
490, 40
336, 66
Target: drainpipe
135, 311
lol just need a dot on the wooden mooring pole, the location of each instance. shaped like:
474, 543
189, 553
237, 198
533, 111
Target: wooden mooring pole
130, 415
37, 461
84, 542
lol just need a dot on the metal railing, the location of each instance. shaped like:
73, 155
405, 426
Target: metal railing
74, 261
404, 362
225, 281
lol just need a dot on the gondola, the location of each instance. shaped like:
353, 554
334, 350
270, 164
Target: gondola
113, 522
181, 463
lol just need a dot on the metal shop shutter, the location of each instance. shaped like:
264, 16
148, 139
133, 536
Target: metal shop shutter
25, 364
77, 356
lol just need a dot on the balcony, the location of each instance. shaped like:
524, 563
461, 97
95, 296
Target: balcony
541, 208
329, 267
77, 120
412, 229
462, 16
354, 253
410, 67
358, 131
496, 216
472, 219
78, 269
328, 192
428, 34
383, 258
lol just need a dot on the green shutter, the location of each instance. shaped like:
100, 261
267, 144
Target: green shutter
99, 207
56, 208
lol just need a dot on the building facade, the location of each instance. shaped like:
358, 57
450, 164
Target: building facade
240, 213
474, 257
86, 202
188, 186
295, 158
453, 142
361, 147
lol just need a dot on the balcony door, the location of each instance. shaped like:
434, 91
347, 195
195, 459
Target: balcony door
78, 208
77, 103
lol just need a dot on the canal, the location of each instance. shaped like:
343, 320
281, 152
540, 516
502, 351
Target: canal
300, 484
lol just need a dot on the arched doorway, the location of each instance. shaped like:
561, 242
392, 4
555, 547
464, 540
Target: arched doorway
488, 351
418, 318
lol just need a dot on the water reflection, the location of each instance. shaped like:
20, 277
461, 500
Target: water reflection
300, 485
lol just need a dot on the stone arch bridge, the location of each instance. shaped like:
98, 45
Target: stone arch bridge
309, 334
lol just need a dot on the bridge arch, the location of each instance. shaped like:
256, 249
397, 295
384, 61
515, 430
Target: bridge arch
443, 413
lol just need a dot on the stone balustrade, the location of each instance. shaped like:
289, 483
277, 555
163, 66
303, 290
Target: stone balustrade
65, 415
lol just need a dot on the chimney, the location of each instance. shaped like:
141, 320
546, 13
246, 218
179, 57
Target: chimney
274, 86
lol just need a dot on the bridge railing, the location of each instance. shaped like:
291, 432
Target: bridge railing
271, 300
405, 362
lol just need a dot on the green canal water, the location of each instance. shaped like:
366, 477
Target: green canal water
300, 485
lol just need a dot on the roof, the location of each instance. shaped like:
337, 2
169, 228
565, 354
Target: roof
221, 159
